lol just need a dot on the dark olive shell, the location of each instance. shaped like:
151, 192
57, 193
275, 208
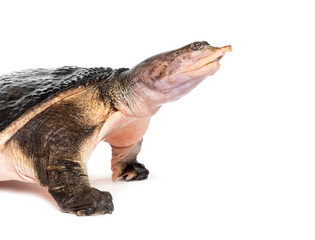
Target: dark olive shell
21, 91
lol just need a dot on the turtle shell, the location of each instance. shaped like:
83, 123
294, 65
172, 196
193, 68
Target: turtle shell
23, 90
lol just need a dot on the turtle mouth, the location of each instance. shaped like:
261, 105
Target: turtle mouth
209, 64
208, 68
215, 60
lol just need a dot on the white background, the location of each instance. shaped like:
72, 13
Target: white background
234, 159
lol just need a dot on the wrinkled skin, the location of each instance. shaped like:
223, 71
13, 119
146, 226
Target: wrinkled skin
53, 146
168, 76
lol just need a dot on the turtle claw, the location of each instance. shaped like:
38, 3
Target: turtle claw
135, 171
94, 202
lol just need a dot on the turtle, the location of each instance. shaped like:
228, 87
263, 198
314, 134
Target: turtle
52, 119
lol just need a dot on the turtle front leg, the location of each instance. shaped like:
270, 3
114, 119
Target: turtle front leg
125, 164
69, 185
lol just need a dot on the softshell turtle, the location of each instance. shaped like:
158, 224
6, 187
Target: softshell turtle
52, 119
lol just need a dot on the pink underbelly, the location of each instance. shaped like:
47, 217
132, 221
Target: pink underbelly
7, 172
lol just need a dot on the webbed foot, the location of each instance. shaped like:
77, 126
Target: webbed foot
133, 171
92, 202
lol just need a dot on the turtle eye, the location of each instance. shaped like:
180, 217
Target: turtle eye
196, 45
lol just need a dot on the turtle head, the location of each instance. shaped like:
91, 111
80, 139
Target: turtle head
170, 75
175, 73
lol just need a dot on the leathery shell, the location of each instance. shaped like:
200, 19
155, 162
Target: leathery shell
23, 90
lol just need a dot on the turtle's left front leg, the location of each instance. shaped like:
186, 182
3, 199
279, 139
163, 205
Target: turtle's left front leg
125, 164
